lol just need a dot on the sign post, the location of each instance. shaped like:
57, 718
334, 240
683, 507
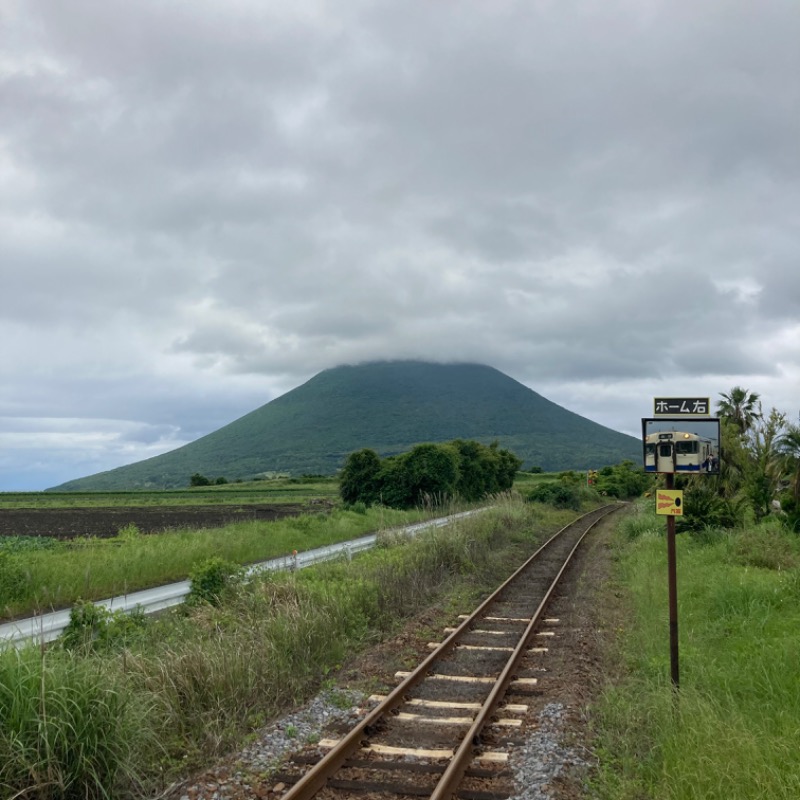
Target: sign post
672, 581
680, 438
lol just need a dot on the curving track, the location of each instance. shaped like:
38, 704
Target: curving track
444, 730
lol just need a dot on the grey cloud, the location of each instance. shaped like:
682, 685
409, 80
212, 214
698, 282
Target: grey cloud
204, 206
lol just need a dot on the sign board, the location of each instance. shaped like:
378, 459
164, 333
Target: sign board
669, 502
681, 406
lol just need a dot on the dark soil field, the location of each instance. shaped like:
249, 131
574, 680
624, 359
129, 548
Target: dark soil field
67, 523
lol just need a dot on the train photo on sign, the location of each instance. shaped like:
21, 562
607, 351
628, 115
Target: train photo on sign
681, 447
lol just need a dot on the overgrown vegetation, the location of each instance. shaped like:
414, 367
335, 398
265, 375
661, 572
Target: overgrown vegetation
116, 712
91, 569
429, 474
571, 490
759, 469
732, 732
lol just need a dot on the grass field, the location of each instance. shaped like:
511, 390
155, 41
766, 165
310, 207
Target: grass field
43, 574
733, 732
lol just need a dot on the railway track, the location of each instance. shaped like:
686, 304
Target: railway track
446, 729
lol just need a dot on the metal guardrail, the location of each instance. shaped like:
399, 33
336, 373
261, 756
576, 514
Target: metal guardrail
47, 627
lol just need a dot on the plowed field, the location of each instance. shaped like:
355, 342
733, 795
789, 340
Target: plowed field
67, 523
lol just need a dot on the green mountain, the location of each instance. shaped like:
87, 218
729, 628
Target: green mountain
388, 406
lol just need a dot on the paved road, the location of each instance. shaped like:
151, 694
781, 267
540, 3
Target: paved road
46, 627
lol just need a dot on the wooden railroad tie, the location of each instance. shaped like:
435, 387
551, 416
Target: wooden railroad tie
490, 756
517, 682
498, 633
526, 620
510, 708
434, 645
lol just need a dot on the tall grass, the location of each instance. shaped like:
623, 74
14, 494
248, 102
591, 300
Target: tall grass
733, 731
93, 569
70, 728
124, 717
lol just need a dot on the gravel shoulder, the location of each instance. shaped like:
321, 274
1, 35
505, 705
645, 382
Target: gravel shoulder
554, 759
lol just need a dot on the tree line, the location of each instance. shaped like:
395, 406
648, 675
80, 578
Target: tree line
428, 473
759, 468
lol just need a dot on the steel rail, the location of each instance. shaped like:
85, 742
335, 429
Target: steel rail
316, 778
454, 773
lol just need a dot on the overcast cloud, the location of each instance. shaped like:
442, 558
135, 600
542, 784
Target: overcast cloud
203, 204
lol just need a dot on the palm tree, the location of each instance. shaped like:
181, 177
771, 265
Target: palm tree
789, 446
740, 407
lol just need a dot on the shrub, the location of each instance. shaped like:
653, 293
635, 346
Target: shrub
211, 578
704, 506
92, 627
87, 623
624, 480
12, 578
562, 494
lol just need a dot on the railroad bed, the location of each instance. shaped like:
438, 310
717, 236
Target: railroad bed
448, 727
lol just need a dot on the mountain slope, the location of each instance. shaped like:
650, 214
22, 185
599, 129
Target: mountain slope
388, 406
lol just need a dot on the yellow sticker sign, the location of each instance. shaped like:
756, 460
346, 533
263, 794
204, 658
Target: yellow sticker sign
669, 502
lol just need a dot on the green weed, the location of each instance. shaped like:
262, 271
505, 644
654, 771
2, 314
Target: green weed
732, 731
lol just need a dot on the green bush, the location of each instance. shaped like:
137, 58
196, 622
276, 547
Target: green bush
211, 578
13, 580
567, 494
623, 480
94, 627
704, 506
358, 481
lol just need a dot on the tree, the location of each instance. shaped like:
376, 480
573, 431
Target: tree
766, 464
789, 448
432, 472
740, 408
199, 480
359, 479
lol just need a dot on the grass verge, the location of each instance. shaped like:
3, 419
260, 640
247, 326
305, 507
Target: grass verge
733, 731
43, 578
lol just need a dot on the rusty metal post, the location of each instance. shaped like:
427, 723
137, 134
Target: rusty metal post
672, 573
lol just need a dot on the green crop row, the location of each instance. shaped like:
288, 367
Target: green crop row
276, 490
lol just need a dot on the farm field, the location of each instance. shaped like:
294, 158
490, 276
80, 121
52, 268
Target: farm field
274, 491
109, 521
66, 515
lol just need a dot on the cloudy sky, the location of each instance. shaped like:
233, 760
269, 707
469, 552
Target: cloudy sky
205, 203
